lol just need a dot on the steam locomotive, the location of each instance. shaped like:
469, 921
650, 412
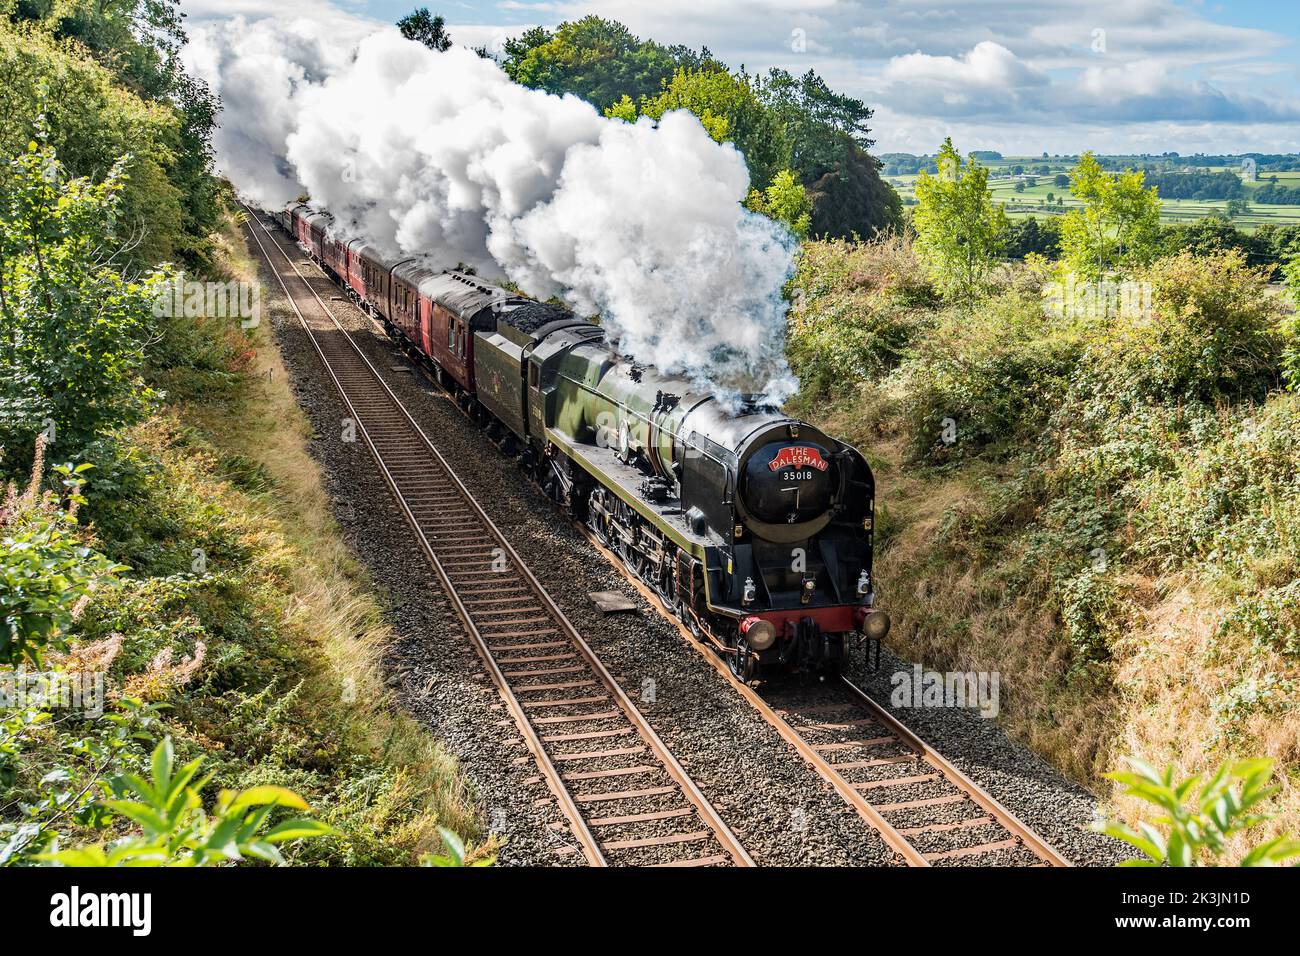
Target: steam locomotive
754, 528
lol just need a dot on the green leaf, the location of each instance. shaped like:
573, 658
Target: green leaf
277, 796
297, 829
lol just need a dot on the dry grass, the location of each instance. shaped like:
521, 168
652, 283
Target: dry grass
1174, 671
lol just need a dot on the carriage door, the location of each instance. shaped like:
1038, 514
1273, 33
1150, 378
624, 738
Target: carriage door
425, 307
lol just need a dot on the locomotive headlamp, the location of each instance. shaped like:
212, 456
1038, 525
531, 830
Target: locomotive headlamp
876, 625
760, 634
809, 588
864, 584
751, 591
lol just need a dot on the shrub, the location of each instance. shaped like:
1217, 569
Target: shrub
1213, 334
994, 373
1196, 819
47, 570
855, 311
74, 329
176, 829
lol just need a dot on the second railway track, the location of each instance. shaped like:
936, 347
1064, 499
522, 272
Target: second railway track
626, 798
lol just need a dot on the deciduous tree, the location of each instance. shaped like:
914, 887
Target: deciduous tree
1118, 224
785, 200
729, 109
960, 230
73, 331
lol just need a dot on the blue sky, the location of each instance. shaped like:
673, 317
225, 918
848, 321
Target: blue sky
1022, 76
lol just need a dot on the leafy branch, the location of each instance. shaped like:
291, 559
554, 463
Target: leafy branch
1199, 818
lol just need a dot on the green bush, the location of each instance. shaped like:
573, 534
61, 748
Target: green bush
995, 374
176, 829
47, 568
1213, 335
856, 307
73, 329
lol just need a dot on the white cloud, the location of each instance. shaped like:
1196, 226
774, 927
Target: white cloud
1029, 69
988, 76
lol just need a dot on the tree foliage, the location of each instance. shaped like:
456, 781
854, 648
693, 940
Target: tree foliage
599, 60
786, 200
729, 110
107, 82
852, 200
1118, 226
431, 30
1030, 236
778, 121
960, 230
822, 127
73, 331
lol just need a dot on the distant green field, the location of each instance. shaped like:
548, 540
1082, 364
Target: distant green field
1033, 201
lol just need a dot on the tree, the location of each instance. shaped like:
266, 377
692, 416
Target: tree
829, 138
822, 126
960, 230
1118, 225
421, 27
157, 111
1061, 180
137, 39
852, 200
728, 108
72, 330
1237, 207
599, 60
1028, 235
785, 200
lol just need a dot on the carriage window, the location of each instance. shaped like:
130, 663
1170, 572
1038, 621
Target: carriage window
532, 374
451, 335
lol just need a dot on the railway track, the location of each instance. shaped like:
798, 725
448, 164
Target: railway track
626, 798
925, 808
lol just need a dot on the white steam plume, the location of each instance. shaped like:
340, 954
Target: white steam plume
440, 154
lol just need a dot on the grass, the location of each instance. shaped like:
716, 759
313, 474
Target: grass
333, 609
